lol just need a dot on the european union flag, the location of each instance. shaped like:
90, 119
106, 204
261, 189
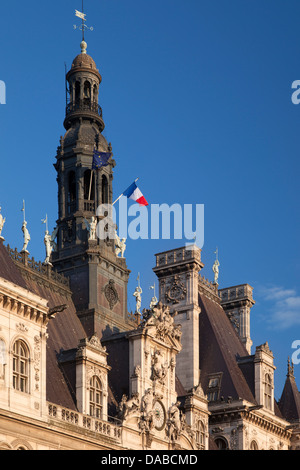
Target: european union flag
100, 159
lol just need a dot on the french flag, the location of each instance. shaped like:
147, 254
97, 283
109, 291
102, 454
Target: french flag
134, 193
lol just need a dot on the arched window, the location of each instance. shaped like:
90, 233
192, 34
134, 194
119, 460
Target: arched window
77, 92
20, 367
96, 397
268, 391
221, 443
87, 93
104, 190
71, 192
200, 434
95, 94
253, 445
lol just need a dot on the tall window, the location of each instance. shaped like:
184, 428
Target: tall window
96, 397
104, 190
95, 94
20, 367
268, 391
200, 434
71, 192
77, 92
87, 92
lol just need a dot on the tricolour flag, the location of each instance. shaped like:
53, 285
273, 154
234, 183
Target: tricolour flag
134, 193
100, 159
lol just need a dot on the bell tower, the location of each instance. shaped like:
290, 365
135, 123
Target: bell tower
98, 277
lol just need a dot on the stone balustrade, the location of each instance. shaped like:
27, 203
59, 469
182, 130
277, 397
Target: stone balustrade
86, 422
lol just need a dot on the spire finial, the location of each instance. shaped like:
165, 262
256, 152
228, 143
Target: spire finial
82, 27
290, 372
83, 46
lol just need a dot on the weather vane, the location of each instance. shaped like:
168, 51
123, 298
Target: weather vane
83, 26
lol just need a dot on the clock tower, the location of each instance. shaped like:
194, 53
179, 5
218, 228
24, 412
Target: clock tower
98, 277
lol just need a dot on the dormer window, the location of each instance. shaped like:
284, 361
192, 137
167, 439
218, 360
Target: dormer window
96, 395
214, 386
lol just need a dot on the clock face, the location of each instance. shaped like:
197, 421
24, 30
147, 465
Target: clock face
159, 415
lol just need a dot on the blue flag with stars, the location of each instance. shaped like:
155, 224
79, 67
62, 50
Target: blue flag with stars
100, 159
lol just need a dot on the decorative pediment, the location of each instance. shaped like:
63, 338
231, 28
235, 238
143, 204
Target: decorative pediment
93, 342
162, 325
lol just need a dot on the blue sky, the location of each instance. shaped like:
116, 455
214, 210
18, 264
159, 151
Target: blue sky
196, 98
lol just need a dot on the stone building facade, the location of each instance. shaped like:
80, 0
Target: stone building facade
77, 371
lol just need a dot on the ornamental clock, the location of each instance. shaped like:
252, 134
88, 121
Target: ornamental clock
159, 415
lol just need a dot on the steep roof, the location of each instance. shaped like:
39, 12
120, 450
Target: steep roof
8, 269
289, 403
220, 349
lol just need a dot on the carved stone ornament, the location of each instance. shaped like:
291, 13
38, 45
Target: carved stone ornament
176, 291
128, 407
159, 367
163, 321
111, 294
174, 423
93, 342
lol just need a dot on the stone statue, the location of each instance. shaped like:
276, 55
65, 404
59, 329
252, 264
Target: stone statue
120, 245
215, 268
159, 368
26, 236
138, 297
154, 300
174, 422
146, 419
49, 247
127, 407
2, 222
91, 228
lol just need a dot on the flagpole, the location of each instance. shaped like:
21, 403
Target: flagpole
91, 169
23, 210
122, 194
92, 172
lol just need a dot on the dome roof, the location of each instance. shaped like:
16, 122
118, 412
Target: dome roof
84, 60
84, 134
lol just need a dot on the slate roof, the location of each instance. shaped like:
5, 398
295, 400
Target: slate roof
289, 403
220, 348
8, 269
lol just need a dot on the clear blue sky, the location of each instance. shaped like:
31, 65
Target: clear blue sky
196, 97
